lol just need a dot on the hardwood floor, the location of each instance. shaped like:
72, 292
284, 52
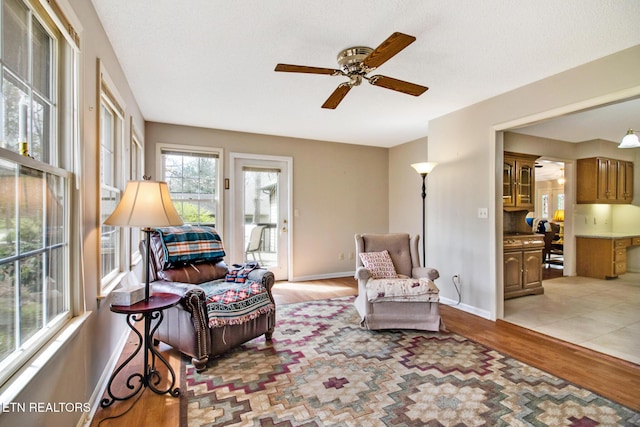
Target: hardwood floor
610, 377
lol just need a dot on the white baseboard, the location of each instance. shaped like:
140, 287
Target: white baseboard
96, 396
464, 307
323, 276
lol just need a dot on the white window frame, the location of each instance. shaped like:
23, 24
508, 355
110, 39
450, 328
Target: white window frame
136, 173
219, 152
62, 160
109, 97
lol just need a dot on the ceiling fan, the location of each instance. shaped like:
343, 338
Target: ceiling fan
357, 62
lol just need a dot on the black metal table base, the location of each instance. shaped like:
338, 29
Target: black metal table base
150, 377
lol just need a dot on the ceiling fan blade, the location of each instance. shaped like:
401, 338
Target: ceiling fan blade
397, 85
387, 49
287, 68
337, 96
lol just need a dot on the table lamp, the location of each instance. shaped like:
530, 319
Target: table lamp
146, 204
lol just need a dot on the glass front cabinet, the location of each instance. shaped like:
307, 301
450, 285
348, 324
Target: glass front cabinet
518, 181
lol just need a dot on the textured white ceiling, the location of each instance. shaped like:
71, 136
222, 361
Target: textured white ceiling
608, 122
210, 63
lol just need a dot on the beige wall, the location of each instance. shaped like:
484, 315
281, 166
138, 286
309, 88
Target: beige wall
338, 190
469, 152
405, 188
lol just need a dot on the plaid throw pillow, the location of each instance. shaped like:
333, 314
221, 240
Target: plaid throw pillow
187, 244
379, 264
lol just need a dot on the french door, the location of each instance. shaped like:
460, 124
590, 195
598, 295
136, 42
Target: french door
261, 206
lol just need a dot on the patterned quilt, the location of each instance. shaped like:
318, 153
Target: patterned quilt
409, 289
190, 244
231, 303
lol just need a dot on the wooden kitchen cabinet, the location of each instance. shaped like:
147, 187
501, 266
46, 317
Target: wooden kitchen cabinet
604, 180
522, 269
518, 181
603, 257
625, 181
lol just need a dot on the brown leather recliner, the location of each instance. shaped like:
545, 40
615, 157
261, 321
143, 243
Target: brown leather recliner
185, 327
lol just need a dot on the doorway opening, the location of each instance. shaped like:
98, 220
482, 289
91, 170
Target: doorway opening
548, 217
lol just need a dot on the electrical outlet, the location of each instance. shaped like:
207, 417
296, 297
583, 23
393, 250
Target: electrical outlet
351, 255
483, 213
341, 256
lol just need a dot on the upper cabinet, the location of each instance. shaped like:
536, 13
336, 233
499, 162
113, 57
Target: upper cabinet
604, 180
518, 181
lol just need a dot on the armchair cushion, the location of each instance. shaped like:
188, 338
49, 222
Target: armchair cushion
194, 273
379, 264
186, 244
409, 289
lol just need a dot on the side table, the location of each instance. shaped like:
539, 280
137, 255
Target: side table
146, 311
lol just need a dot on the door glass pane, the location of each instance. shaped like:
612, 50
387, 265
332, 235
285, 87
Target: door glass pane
260, 213
524, 193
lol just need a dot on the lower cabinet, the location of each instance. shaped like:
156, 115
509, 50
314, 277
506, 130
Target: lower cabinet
603, 257
522, 271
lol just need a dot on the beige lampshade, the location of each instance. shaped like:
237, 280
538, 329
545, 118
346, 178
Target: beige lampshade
145, 204
424, 167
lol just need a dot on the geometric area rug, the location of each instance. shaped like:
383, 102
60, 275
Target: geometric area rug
323, 369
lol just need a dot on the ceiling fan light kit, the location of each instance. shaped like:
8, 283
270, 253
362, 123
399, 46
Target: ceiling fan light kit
356, 62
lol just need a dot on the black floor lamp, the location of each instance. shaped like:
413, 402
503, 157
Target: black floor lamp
424, 169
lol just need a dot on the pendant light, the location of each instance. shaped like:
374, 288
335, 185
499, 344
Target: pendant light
630, 140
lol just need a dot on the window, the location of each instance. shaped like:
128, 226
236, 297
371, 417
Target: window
111, 123
135, 173
38, 64
192, 175
545, 206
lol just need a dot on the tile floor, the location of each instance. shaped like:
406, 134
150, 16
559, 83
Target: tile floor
603, 315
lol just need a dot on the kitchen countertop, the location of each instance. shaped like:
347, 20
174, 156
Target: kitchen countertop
609, 235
